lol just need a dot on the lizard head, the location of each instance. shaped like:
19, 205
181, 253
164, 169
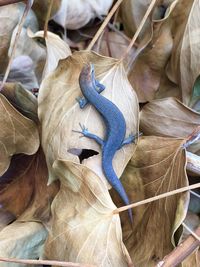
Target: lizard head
87, 72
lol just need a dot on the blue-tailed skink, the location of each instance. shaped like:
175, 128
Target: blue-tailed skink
115, 127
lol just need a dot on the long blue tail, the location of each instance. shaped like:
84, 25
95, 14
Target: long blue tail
117, 185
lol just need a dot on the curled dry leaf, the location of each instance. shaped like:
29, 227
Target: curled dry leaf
189, 54
60, 114
41, 8
168, 117
83, 228
56, 49
6, 27
22, 240
73, 15
24, 101
131, 13
157, 166
18, 134
184, 65
23, 188
145, 75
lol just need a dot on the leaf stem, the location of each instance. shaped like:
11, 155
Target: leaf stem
104, 24
151, 199
47, 18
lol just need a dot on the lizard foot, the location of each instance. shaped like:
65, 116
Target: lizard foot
82, 102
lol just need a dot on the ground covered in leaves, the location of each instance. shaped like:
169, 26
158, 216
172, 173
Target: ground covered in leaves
55, 201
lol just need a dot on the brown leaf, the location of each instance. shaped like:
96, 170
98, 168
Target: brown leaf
112, 44
193, 260
23, 188
184, 65
146, 72
168, 117
24, 101
6, 28
60, 114
18, 134
158, 166
83, 227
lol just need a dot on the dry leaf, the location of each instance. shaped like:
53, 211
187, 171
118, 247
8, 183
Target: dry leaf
157, 166
73, 15
41, 8
83, 228
112, 44
131, 13
23, 188
18, 134
189, 54
57, 49
22, 240
6, 27
60, 114
24, 101
145, 75
168, 117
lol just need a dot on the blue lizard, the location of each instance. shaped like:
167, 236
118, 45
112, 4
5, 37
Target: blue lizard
115, 127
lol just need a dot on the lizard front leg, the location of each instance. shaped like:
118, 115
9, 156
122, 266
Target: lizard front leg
86, 133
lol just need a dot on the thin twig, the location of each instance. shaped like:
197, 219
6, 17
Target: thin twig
139, 29
190, 231
8, 2
195, 194
181, 252
113, 28
47, 18
22, 20
46, 262
151, 199
104, 24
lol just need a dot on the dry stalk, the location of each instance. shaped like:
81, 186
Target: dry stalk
181, 252
46, 262
104, 24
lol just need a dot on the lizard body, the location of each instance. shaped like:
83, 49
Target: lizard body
115, 127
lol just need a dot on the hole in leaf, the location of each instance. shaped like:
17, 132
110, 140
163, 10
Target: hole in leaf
83, 153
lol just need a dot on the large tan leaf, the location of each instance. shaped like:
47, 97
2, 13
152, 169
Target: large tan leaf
168, 117
73, 15
22, 240
157, 166
17, 135
59, 111
23, 188
145, 74
83, 227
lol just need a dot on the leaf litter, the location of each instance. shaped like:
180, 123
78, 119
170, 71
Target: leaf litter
57, 202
